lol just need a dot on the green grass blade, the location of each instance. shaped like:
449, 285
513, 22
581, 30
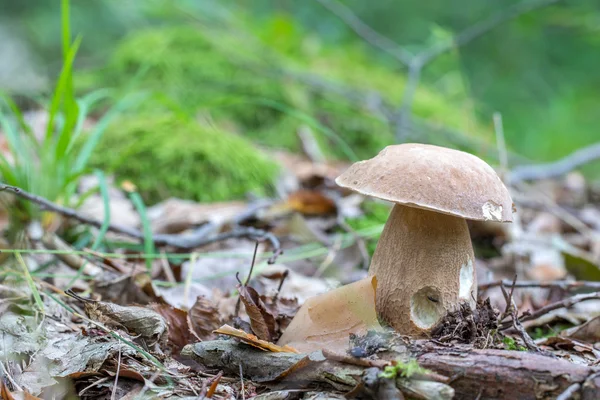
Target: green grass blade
96, 134
85, 105
62, 88
137, 201
345, 147
19, 116
31, 283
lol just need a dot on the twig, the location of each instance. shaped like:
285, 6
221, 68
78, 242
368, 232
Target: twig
188, 241
10, 379
416, 63
565, 303
511, 308
283, 277
237, 276
564, 285
571, 390
114, 391
366, 32
557, 168
482, 27
242, 381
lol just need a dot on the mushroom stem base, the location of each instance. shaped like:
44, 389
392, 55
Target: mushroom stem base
424, 265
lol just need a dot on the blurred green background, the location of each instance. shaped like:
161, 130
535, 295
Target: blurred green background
255, 72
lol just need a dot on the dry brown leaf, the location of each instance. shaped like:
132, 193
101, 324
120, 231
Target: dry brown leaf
175, 215
4, 392
327, 320
254, 341
310, 202
204, 318
262, 322
284, 310
146, 323
588, 332
180, 333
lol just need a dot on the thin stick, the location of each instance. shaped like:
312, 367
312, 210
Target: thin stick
283, 277
564, 285
242, 380
511, 309
188, 241
565, 303
10, 379
237, 276
366, 32
571, 390
114, 391
557, 168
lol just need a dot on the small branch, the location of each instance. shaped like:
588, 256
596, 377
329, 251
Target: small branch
366, 32
403, 121
557, 168
571, 390
482, 27
188, 241
564, 285
565, 303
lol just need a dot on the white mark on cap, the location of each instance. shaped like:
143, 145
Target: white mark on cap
492, 211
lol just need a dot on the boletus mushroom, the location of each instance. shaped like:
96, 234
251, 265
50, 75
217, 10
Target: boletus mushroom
424, 261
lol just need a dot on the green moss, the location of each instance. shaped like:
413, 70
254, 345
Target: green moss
167, 154
403, 369
511, 344
234, 80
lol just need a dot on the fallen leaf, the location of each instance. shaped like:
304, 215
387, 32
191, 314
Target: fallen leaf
146, 323
175, 215
310, 202
254, 341
262, 322
177, 320
588, 332
327, 320
4, 392
204, 318
284, 310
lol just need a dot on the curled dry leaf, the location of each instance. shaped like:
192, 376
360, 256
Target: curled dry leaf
588, 332
310, 202
254, 341
204, 318
180, 332
262, 321
327, 320
146, 323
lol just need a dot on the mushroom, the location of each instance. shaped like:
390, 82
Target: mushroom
424, 261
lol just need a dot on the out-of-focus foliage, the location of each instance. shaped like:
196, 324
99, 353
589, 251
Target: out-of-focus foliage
263, 98
245, 66
376, 214
539, 70
167, 154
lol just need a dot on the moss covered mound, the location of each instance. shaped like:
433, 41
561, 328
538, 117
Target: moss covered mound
238, 82
167, 154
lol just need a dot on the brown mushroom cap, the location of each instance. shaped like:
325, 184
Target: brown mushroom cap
433, 178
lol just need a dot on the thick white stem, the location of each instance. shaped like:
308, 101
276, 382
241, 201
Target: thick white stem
424, 266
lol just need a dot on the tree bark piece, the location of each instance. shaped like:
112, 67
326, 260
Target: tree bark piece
483, 374
502, 374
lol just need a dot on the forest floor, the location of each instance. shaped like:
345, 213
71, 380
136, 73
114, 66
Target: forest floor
197, 311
